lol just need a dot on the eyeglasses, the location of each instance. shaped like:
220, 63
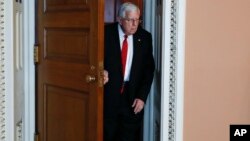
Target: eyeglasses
132, 20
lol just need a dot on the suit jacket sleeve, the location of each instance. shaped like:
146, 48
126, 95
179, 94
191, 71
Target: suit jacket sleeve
148, 68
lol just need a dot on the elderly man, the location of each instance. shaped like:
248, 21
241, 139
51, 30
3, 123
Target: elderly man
129, 68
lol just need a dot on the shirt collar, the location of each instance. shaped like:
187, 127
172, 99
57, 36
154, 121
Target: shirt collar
121, 33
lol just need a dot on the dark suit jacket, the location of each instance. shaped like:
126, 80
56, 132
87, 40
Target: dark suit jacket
142, 69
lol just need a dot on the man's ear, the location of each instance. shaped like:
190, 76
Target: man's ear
119, 20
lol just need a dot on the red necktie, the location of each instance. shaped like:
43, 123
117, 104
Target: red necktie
124, 57
124, 53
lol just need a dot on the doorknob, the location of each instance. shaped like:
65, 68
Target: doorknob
90, 78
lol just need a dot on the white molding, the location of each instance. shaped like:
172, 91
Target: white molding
19, 131
9, 71
29, 70
173, 79
2, 74
165, 70
181, 68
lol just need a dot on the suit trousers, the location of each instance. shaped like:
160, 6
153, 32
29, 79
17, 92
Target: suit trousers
126, 125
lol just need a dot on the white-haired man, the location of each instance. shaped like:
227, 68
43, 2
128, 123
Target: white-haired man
129, 68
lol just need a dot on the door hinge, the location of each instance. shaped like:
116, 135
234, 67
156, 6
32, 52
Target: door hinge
36, 138
36, 54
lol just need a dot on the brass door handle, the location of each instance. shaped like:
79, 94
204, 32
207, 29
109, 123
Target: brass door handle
90, 78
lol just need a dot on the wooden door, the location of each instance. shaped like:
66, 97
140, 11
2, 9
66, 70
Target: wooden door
69, 91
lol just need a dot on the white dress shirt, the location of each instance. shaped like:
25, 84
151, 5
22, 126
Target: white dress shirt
129, 53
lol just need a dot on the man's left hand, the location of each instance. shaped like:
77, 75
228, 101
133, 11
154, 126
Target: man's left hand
138, 105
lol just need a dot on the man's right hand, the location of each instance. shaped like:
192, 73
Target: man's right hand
105, 77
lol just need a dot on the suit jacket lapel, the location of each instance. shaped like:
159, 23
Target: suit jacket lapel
117, 39
117, 45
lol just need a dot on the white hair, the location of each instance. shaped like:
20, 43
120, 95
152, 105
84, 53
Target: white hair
127, 7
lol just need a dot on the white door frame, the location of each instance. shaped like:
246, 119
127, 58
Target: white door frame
179, 5
172, 70
173, 58
9, 72
29, 70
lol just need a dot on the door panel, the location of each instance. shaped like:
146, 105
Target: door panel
68, 103
70, 39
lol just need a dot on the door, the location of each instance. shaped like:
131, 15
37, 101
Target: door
69, 89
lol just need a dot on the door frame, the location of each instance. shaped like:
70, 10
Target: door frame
29, 40
29, 70
173, 79
168, 100
8, 110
